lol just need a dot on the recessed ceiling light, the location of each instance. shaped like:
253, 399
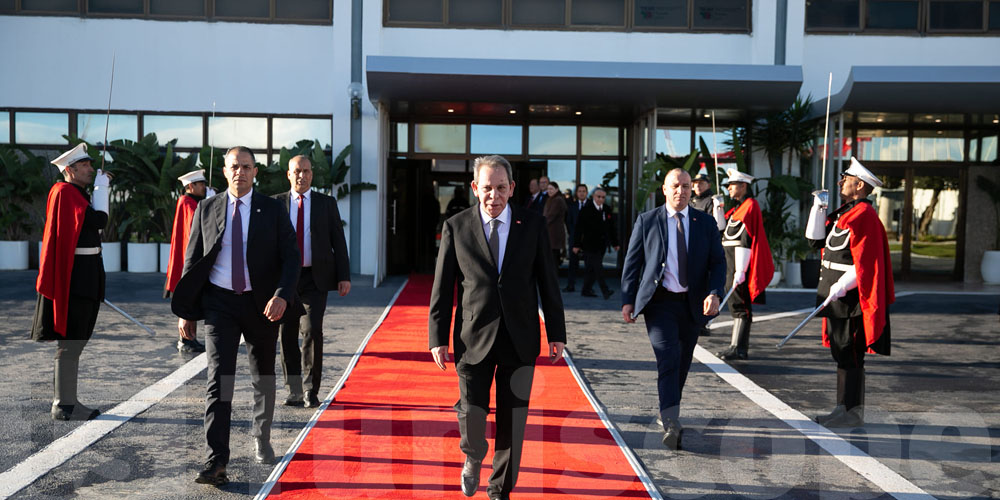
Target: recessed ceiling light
929, 116
707, 115
996, 120
879, 119
938, 120
940, 132
578, 113
513, 111
450, 110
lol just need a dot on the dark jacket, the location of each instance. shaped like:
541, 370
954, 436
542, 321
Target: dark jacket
595, 229
330, 262
572, 217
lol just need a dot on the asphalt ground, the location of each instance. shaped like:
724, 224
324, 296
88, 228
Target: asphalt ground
933, 407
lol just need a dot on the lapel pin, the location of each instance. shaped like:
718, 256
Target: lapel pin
258, 210
517, 222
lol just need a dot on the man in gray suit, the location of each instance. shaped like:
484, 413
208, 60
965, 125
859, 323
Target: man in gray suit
325, 266
499, 259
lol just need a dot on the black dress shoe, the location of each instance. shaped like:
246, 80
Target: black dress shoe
672, 436
470, 476
311, 400
74, 412
190, 346
732, 353
214, 474
263, 453
569, 289
588, 293
294, 400
607, 294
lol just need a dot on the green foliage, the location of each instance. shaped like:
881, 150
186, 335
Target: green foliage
21, 183
992, 188
789, 131
213, 160
328, 176
653, 173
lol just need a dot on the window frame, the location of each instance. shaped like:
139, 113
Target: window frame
82, 10
923, 23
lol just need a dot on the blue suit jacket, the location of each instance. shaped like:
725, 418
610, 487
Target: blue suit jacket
647, 256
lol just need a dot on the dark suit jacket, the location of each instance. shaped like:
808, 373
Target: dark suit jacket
647, 256
538, 204
273, 259
595, 229
572, 217
484, 296
330, 263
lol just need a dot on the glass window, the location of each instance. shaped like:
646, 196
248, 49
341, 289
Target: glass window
401, 143
538, 12
115, 6
673, 141
720, 14
302, 9
893, 14
193, 8
661, 13
563, 172
422, 11
228, 131
552, 140
901, 118
90, 127
438, 138
598, 12
833, 14
881, 145
4, 127
50, 5
994, 16
496, 139
186, 129
285, 132
242, 8
6, 5
952, 119
477, 12
599, 141
40, 128
938, 145
592, 172
721, 136
953, 15
989, 153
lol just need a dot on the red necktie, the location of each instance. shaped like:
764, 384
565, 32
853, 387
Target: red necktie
300, 231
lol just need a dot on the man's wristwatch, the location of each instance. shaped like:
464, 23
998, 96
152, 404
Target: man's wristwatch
716, 293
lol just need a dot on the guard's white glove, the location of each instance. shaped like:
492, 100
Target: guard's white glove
209, 192
848, 281
816, 224
719, 211
101, 199
742, 264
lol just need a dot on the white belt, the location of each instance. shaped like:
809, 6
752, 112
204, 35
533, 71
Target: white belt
730, 243
88, 251
837, 267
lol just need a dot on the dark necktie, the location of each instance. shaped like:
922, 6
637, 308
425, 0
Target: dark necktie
300, 231
495, 241
682, 253
239, 282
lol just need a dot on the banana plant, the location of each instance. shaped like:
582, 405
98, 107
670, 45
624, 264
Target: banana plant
21, 184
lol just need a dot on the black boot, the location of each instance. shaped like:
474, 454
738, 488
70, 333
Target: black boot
840, 409
741, 337
854, 399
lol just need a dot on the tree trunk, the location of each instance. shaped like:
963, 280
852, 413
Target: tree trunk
928, 215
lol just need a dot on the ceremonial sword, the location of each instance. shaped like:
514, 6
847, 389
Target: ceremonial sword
130, 318
826, 131
803, 323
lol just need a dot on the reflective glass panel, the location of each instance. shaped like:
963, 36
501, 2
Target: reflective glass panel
438, 138
673, 141
956, 15
833, 14
989, 153
952, 119
538, 12
421, 11
599, 141
552, 140
194, 8
242, 8
288, 131
864, 117
598, 12
115, 6
661, 13
721, 136
4, 127
228, 131
50, 5
186, 129
720, 14
400, 142
881, 145
302, 9
40, 128
90, 127
562, 172
6, 5
592, 172
893, 14
938, 145
994, 24
476, 12
496, 139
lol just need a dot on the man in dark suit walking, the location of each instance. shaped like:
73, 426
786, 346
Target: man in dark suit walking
239, 276
500, 259
595, 232
573, 209
325, 266
674, 270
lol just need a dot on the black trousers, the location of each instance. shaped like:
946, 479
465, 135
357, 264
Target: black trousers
310, 326
513, 378
673, 334
574, 265
740, 304
227, 317
593, 265
847, 346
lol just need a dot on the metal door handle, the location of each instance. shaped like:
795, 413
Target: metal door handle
394, 217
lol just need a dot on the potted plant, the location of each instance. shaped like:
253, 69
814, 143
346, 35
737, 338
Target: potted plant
990, 266
21, 184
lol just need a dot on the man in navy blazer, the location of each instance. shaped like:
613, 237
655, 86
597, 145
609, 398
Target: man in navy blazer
675, 287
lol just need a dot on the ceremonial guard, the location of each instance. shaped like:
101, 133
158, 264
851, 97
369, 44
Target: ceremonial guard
71, 274
702, 190
748, 256
855, 283
194, 191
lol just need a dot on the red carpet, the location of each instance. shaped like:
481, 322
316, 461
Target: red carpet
391, 431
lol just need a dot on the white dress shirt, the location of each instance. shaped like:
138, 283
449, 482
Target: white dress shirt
503, 230
670, 280
222, 274
293, 212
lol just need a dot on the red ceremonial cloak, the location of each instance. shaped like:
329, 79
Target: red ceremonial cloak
870, 251
761, 263
179, 239
64, 213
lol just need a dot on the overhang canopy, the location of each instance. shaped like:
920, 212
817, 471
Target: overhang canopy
643, 85
917, 89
